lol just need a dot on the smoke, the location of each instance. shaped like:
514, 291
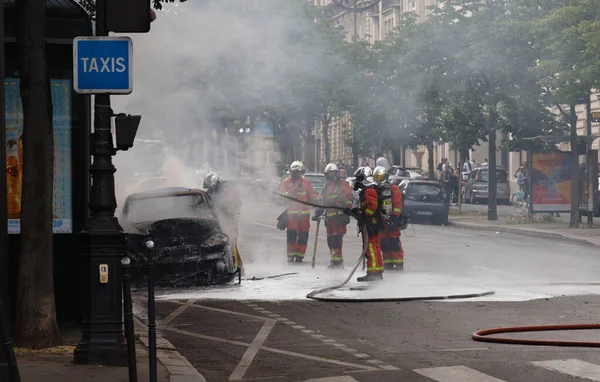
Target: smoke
208, 59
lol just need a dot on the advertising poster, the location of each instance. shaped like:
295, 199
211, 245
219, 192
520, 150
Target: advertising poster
62, 196
551, 182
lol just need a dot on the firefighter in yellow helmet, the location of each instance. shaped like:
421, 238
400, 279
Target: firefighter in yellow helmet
390, 200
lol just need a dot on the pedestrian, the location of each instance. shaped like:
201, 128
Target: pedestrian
229, 204
370, 220
296, 217
466, 169
455, 183
446, 182
335, 192
390, 200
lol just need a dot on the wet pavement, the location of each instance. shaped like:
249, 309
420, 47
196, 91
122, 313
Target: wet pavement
267, 330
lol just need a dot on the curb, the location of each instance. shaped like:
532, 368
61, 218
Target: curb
525, 232
178, 367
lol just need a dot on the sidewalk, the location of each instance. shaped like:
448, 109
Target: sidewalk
543, 226
56, 364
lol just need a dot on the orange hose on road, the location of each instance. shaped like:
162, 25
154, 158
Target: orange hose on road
482, 335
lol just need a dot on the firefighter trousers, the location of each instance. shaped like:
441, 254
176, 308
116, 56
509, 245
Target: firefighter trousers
391, 247
297, 234
373, 254
237, 259
336, 229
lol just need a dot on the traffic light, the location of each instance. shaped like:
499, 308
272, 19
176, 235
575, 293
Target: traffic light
129, 16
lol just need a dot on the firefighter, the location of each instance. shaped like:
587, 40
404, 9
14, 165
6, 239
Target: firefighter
390, 201
229, 204
383, 162
335, 192
370, 218
296, 217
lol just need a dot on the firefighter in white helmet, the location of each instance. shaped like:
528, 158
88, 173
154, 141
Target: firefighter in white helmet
390, 201
335, 192
229, 204
296, 217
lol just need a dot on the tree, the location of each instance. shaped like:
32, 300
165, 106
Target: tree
563, 37
36, 325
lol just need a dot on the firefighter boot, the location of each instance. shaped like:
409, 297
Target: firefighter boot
371, 276
336, 265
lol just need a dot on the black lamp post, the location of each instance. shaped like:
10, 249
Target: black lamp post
102, 239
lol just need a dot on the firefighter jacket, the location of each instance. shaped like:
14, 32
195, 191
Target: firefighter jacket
369, 205
300, 189
390, 200
336, 193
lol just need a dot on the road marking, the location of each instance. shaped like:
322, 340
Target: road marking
464, 349
176, 313
345, 378
273, 350
455, 374
250, 354
210, 308
572, 367
344, 347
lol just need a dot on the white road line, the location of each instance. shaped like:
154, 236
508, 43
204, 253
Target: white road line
345, 378
375, 361
210, 308
298, 327
362, 355
182, 308
572, 367
455, 374
273, 350
307, 331
388, 367
464, 349
250, 354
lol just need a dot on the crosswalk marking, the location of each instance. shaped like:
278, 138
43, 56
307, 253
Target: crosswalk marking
455, 374
572, 367
345, 378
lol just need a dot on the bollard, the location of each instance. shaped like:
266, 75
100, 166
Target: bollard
151, 313
128, 313
11, 360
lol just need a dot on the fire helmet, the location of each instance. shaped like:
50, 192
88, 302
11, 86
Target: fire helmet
331, 171
379, 174
211, 180
297, 168
383, 162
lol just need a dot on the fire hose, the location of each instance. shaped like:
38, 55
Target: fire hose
481, 335
314, 293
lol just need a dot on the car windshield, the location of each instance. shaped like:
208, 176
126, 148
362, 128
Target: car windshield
168, 207
423, 189
316, 180
501, 176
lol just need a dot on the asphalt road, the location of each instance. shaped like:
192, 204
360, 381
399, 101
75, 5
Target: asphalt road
266, 330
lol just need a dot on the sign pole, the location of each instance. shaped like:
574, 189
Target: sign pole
103, 244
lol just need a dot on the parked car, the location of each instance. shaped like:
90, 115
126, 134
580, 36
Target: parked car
423, 199
477, 187
317, 179
190, 248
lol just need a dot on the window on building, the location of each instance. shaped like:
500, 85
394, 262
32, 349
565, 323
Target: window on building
412, 4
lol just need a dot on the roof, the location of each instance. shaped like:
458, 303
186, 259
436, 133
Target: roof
66, 19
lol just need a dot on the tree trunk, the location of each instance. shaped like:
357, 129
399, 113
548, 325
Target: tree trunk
430, 163
575, 190
35, 314
492, 184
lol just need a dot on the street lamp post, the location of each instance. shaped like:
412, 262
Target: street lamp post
103, 243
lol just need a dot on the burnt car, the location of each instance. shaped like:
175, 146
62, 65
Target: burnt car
423, 199
190, 247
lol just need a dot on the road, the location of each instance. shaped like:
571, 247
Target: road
267, 330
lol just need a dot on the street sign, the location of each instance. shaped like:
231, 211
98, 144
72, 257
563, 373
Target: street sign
103, 65
595, 116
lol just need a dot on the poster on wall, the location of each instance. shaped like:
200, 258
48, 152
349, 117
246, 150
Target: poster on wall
62, 194
550, 182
